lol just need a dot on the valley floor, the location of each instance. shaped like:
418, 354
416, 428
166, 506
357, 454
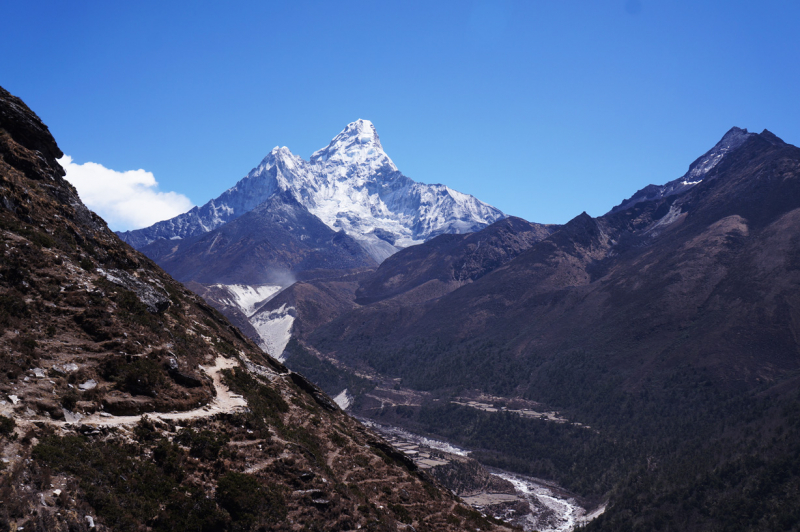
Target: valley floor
533, 504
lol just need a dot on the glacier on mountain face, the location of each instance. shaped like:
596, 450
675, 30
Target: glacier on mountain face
274, 329
351, 185
248, 298
343, 399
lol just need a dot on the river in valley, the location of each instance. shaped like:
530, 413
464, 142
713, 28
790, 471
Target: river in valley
532, 504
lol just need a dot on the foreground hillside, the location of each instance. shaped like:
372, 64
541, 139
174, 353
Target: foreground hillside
126, 403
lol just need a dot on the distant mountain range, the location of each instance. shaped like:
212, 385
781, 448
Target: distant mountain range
270, 244
351, 185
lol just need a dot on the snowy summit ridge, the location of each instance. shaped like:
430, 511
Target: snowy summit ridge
351, 185
358, 143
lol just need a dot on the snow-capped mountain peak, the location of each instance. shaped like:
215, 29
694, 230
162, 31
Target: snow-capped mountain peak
357, 144
280, 155
351, 185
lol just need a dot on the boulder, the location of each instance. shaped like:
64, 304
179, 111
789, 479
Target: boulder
154, 298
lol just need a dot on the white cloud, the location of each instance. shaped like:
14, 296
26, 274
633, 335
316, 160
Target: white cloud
125, 200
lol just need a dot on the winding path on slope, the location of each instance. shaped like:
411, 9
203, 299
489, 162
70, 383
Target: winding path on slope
224, 402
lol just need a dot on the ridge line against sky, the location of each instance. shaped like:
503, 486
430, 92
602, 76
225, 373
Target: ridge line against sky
541, 109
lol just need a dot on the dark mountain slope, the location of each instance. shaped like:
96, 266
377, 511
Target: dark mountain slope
318, 301
126, 403
268, 245
701, 166
452, 260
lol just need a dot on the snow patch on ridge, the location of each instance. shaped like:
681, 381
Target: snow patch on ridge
248, 298
274, 328
343, 399
698, 170
729, 142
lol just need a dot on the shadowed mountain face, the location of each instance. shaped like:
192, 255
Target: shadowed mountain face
127, 403
451, 260
406, 280
696, 173
271, 244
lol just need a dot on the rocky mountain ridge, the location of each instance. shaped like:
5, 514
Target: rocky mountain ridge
747, 193
416, 273
732, 140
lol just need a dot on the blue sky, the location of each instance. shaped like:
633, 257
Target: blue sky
543, 109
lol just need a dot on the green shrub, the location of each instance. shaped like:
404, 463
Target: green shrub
141, 376
96, 323
26, 345
266, 404
402, 513
12, 306
42, 240
205, 444
247, 501
338, 439
69, 400
7, 425
132, 310
191, 511
36, 237
124, 490
130, 493
145, 430
169, 457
